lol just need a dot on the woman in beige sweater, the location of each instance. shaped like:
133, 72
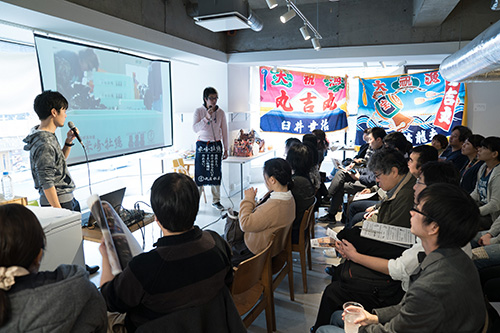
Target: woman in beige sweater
259, 221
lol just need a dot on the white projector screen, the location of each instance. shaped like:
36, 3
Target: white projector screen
120, 103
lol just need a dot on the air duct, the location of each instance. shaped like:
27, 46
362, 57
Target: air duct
478, 61
225, 15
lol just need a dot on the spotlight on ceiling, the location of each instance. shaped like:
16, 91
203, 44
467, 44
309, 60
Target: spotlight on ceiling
305, 32
271, 4
315, 43
290, 14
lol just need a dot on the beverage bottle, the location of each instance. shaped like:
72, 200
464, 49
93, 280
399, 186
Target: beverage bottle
7, 188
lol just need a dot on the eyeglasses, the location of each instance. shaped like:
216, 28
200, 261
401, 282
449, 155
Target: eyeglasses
414, 209
377, 175
419, 182
213, 98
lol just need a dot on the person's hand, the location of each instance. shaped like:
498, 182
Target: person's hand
224, 156
350, 166
485, 239
339, 246
358, 160
365, 317
370, 214
365, 191
370, 209
102, 249
250, 193
348, 250
355, 176
70, 136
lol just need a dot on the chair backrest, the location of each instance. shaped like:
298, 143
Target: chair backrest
179, 166
279, 251
280, 239
307, 217
249, 272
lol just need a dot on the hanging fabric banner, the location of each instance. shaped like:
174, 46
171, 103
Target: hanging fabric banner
298, 103
419, 105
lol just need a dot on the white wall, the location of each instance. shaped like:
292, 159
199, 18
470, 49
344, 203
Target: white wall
484, 108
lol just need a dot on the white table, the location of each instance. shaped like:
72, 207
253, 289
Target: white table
242, 160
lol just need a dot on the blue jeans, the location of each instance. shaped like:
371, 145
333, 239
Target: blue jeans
336, 324
492, 250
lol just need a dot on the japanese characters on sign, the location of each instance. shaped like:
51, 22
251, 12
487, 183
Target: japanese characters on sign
419, 105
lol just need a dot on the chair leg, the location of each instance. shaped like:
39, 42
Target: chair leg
270, 320
290, 276
313, 224
204, 195
303, 269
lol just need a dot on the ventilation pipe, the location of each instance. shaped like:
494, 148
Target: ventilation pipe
478, 61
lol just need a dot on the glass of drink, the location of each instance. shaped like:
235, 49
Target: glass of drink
352, 312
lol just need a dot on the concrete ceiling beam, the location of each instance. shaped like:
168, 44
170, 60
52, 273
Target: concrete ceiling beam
431, 13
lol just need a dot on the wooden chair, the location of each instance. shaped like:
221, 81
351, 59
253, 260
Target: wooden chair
304, 244
281, 264
251, 287
180, 167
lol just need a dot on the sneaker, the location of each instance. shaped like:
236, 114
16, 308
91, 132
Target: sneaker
218, 206
328, 218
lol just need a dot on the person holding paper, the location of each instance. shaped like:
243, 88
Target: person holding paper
188, 266
445, 293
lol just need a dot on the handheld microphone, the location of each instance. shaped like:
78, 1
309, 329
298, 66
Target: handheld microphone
73, 128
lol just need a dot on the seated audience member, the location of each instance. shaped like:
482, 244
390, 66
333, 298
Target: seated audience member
188, 267
398, 141
444, 293
487, 191
303, 190
486, 247
418, 156
454, 151
276, 211
322, 144
290, 142
310, 141
375, 289
401, 268
355, 181
440, 142
470, 170
61, 301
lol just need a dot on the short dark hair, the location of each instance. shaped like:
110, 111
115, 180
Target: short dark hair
175, 201
442, 139
291, 141
378, 132
367, 130
440, 172
47, 101
279, 169
310, 138
322, 140
385, 159
475, 140
300, 159
425, 154
492, 143
313, 150
207, 92
453, 210
465, 132
397, 140
21, 239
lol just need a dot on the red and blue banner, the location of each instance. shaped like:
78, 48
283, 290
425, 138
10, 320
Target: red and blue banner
298, 103
419, 105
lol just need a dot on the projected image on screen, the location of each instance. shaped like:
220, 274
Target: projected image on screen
120, 103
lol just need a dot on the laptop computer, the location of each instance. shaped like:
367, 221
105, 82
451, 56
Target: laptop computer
115, 199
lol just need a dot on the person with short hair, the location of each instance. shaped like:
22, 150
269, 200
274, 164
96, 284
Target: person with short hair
487, 191
444, 293
188, 266
59, 301
352, 180
453, 152
209, 123
469, 171
440, 142
48, 161
420, 155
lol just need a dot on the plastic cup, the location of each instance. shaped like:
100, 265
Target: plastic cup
352, 312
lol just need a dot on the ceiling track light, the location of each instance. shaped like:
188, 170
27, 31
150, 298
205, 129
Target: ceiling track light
305, 33
271, 4
290, 14
315, 43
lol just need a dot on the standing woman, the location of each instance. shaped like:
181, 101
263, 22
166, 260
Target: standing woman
468, 173
487, 191
211, 126
31, 301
